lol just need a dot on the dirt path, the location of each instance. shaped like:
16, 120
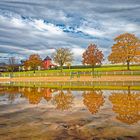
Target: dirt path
67, 78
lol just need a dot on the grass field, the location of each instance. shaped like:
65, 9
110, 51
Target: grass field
102, 69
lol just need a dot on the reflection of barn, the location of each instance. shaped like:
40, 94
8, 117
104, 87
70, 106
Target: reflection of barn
47, 94
47, 63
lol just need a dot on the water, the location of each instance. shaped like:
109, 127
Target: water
45, 113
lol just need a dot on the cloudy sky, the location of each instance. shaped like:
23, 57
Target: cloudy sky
40, 26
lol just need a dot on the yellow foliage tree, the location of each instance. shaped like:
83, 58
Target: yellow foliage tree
125, 50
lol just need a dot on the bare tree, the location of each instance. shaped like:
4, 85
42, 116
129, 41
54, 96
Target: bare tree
12, 64
63, 56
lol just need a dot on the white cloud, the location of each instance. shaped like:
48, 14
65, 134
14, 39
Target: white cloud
41, 26
91, 31
50, 28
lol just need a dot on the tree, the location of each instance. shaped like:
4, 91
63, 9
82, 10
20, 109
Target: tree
12, 64
92, 56
127, 106
126, 49
62, 56
33, 95
34, 61
93, 100
63, 101
69, 65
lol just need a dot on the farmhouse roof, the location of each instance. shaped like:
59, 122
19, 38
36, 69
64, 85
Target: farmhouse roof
47, 58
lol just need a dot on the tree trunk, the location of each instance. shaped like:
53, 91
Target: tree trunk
129, 91
34, 70
61, 67
128, 65
93, 71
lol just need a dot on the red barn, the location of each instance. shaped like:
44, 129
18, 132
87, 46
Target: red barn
47, 63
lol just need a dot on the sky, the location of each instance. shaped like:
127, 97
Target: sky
41, 26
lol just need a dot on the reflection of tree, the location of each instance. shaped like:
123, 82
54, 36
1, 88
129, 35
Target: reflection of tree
63, 101
11, 97
33, 95
93, 100
11, 91
127, 106
47, 94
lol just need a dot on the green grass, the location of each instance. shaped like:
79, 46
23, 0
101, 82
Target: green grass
101, 70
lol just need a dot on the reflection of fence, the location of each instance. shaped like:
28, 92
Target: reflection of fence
78, 74
78, 85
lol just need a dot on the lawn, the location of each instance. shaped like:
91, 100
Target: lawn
85, 71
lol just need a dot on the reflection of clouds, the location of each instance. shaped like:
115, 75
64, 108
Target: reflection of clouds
93, 100
127, 106
63, 101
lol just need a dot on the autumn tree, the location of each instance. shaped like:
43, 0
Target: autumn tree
125, 50
33, 95
127, 106
62, 56
93, 100
47, 94
92, 56
34, 61
63, 101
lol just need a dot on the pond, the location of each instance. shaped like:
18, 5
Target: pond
60, 113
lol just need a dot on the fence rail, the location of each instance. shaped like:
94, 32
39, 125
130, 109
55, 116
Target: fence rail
75, 84
72, 74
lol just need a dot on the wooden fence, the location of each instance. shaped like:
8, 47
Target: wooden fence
71, 74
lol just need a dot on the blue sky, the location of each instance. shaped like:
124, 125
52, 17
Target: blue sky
41, 26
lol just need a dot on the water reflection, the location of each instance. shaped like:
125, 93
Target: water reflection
63, 101
33, 95
93, 100
127, 106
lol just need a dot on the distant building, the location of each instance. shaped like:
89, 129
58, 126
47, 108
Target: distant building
3, 67
47, 63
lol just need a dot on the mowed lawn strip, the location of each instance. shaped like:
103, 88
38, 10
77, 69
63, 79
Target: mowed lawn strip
67, 72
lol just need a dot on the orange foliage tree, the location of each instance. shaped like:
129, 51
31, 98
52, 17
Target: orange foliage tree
92, 56
127, 106
33, 95
126, 49
63, 101
34, 61
93, 100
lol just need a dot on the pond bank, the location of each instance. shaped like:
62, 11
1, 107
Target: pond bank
67, 78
